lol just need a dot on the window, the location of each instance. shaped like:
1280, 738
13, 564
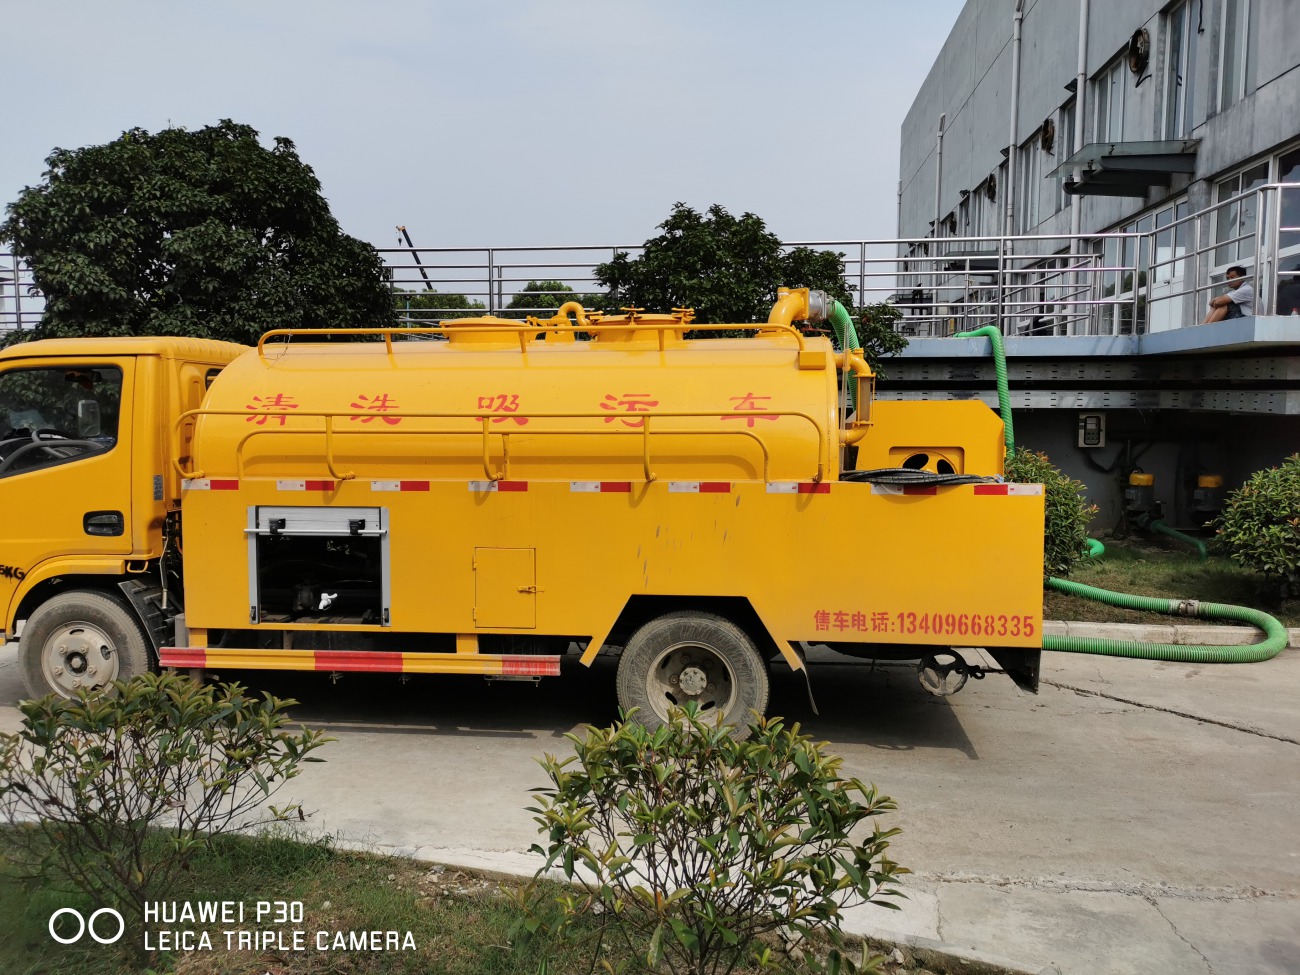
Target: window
1235, 223
1108, 102
55, 415
1288, 266
1029, 174
1064, 147
1181, 39
1234, 52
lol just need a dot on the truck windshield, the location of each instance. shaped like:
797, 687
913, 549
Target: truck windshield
56, 414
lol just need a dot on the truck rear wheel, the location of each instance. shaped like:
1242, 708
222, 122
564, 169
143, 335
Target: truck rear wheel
81, 641
692, 657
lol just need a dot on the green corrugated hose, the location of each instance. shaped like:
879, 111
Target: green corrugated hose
1275, 634
1000, 367
847, 337
1196, 543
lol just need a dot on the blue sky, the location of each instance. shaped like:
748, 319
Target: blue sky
506, 122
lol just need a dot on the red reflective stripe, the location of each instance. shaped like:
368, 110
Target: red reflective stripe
715, 487
615, 487
917, 489
359, 660
512, 485
182, 657
992, 488
414, 485
223, 485
815, 487
520, 666
318, 485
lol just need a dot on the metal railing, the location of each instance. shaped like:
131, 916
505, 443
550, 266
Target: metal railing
1092, 284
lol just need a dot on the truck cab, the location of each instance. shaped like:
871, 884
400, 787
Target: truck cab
87, 485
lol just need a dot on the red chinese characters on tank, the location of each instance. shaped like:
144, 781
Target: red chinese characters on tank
504, 403
266, 408
628, 403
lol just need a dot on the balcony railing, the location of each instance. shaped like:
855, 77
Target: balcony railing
1093, 284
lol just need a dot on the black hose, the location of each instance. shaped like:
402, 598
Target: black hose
912, 476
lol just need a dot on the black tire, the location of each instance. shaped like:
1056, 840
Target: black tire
670, 657
81, 640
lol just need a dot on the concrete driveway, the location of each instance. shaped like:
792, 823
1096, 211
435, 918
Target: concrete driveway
1133, 817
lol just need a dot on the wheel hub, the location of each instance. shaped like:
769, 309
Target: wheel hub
693, 681
79, 656
690, 672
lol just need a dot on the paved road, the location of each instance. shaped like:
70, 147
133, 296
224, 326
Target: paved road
1133, 817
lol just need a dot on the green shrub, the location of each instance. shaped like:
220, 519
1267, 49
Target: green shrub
688, 846
1260, 524
116, 792
1066, 514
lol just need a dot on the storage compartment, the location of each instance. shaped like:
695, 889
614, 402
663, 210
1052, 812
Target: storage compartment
317, 565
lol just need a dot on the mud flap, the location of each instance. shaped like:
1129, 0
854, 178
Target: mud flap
1021, 665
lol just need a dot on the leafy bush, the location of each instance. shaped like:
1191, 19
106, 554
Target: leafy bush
1066, 514
1260, 524
688, 845
116, 792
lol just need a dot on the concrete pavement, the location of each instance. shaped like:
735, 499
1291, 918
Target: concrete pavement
1133, 817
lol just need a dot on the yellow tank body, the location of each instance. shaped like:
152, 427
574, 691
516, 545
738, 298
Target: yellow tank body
441, 503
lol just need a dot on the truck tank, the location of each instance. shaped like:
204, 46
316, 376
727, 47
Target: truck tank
498, 399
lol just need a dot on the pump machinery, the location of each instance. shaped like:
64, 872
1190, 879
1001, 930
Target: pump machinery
479, 497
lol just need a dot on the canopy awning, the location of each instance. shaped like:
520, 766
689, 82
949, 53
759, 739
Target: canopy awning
1126, 168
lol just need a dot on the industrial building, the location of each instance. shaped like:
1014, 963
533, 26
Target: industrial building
1082, 176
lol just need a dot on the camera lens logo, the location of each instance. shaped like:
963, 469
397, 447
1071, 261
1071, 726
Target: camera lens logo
84, 926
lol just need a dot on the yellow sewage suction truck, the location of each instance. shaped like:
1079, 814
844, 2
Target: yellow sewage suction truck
476, 498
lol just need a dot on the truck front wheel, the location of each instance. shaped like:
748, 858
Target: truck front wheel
692, 657
81, 641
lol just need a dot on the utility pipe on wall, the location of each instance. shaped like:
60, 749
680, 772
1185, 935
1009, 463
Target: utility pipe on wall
1080, 106
938, 172
1010, 227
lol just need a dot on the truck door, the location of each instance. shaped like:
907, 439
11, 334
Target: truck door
65, 465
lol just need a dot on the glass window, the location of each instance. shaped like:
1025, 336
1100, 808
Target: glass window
1181, 40
1288, 171
1234, 51
1030, 177
1064, 148
51, 416
1235, 223
1108, 91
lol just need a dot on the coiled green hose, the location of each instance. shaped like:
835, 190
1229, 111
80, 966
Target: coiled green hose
1275, 634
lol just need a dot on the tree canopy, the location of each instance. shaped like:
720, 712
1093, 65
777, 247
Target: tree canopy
537, 298
430, 306
728, 269
203, 233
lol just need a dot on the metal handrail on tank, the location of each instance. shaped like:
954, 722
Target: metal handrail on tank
486, 432
527, 332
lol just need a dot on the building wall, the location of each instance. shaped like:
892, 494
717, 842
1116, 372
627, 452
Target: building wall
971, 82
1174, 446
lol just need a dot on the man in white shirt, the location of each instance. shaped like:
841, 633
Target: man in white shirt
1238, 302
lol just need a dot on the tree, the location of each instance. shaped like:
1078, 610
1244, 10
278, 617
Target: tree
539, 297
204, 233
441, 306
728, 269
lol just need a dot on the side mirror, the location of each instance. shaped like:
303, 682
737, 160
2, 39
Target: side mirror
88, 420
